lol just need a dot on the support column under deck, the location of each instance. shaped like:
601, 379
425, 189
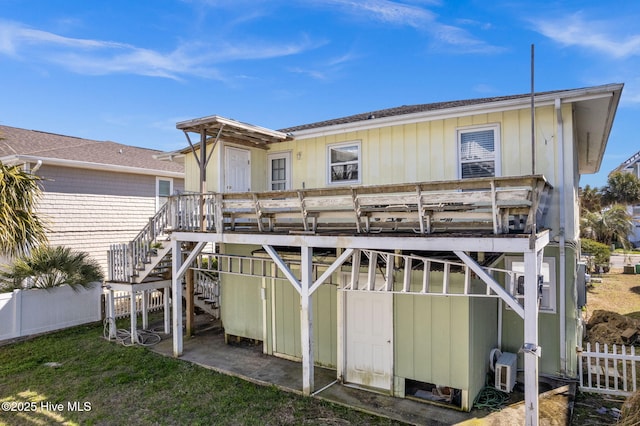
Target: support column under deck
176, 297
532, 267
306, 320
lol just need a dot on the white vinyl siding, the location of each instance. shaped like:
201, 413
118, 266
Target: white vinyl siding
90, 223
344, 161
88, 210
479, 152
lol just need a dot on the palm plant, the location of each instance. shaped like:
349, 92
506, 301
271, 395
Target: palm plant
622, 188
20, 228
47, 267
590, 199
610, 225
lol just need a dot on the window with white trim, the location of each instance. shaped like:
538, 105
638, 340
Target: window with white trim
164, 189
479, 152
279, 171
344, 163
548, 288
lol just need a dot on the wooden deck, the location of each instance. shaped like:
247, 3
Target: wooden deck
493, 205
506, 207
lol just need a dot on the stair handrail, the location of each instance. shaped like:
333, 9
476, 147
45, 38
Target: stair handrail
140, 247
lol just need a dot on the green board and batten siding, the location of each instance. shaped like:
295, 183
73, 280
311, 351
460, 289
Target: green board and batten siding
240, 300
437, 339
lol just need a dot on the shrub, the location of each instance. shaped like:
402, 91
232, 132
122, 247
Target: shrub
599, 254
48, 267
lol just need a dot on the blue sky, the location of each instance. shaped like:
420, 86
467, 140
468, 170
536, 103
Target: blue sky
127, 71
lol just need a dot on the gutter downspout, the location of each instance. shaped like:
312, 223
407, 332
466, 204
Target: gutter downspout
562, 240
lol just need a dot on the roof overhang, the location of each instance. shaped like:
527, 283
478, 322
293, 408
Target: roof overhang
595, 108
16, 159
594, 113
232, 131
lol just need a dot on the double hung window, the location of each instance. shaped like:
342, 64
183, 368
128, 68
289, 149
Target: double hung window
344, 162
479, 152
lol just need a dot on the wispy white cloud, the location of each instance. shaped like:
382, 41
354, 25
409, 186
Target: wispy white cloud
415, 16
475, 23
14, 36
598, 35
100, 57
315, 74
484, 89
328, 69
386, 11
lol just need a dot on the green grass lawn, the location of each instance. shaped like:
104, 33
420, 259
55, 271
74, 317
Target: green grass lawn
113, 384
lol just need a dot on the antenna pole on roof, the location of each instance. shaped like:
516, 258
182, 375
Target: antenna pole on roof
533, 116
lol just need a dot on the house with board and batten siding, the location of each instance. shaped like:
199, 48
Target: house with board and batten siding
94, 193
409, 249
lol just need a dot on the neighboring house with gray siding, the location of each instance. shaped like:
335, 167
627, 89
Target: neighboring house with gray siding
95, 192
632, 165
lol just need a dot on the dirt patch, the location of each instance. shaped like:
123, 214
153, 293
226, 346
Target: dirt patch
631, 411
611, 328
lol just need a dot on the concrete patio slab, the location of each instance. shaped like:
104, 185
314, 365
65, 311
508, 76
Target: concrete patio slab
245, 360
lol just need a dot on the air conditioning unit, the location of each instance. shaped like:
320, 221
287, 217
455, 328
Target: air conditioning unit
506, 369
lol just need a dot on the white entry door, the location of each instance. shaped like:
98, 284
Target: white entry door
369, 339
237, 170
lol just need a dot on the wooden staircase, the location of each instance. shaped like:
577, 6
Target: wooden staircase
147, 257
206, 294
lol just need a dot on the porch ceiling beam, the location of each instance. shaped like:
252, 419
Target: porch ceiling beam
334, 266
283, 267
488, 279
503, 244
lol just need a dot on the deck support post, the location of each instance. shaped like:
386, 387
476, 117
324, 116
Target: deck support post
133, 316
176, 296
179, 268
145, 309
531, 350
111, 313
190, 326
306, 320
167, 306
306, 287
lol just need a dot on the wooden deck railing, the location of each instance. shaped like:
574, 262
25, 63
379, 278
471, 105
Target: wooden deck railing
497, 205
492, 205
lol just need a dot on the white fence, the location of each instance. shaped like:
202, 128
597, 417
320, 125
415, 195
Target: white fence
27, 312
609, 369
122, 304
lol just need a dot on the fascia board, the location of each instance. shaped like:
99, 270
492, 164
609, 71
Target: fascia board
190, 126
90, 166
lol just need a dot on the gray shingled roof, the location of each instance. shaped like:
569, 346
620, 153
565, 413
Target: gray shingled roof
15, 141
408, 109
